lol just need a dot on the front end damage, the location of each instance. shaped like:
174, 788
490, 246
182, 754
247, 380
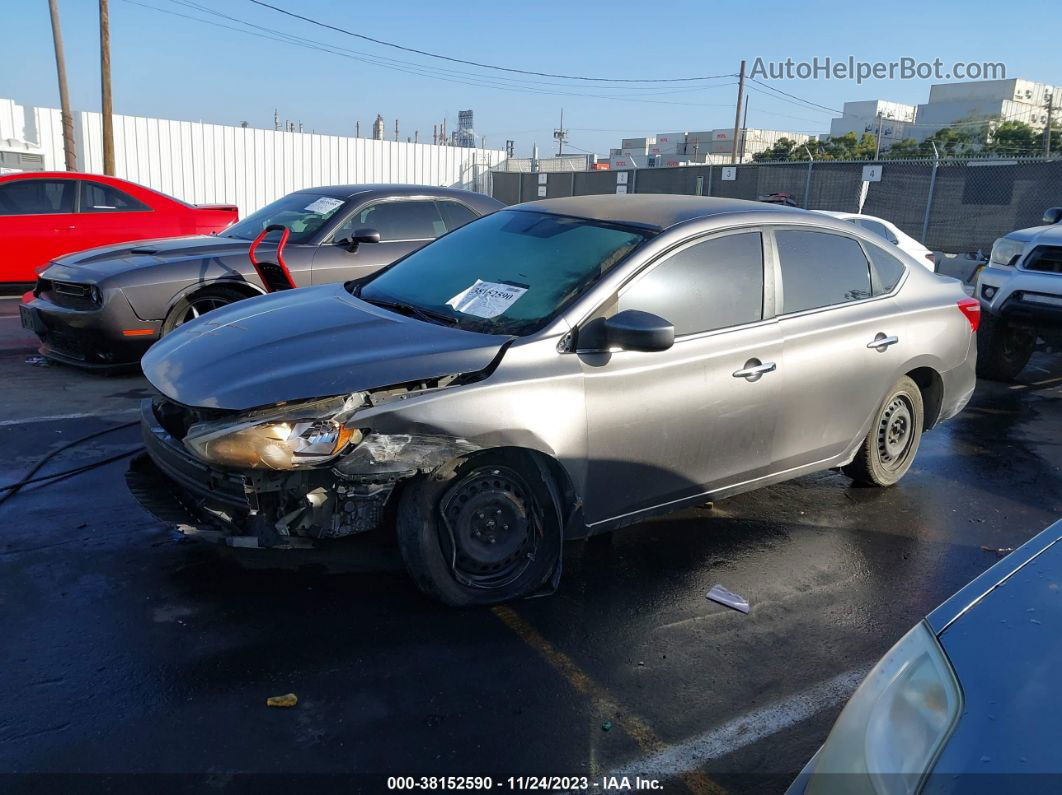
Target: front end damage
261, 506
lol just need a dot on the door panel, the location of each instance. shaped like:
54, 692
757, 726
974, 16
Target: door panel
36, 225
668, 425
672, 424
834, 381
335, 263
107, 215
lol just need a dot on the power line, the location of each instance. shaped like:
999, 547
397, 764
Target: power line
478, 64
416, 69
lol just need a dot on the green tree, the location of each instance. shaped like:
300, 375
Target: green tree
782, 149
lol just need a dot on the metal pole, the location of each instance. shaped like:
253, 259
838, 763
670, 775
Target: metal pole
737, 114
744, 128
929, 198
807, 182
105, 89
1047, 129
69, 151
877, 147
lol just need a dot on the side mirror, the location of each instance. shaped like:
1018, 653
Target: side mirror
364, 235
1052, 215
633, 330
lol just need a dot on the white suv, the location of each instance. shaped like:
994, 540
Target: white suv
1021, 297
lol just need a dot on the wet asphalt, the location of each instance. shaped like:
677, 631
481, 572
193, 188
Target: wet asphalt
133, 657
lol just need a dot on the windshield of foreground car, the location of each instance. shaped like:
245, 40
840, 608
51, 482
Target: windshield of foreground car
303, 213
507, 273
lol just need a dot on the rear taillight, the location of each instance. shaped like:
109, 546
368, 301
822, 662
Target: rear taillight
971, 308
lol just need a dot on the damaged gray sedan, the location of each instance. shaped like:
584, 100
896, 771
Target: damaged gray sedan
554, 370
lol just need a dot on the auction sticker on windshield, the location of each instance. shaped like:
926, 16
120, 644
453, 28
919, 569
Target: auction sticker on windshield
486, 299
323, 205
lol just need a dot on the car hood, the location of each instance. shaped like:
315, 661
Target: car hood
307, 343
96, 263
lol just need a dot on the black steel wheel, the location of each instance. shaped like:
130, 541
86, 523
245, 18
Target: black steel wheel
196, 304
890, 446
481, 530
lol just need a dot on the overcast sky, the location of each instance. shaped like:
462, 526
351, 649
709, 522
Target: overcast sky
174, 67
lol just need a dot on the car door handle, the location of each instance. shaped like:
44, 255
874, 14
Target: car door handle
881, 341
755, 371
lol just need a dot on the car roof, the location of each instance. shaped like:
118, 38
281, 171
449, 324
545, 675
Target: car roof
654, 210
347, 191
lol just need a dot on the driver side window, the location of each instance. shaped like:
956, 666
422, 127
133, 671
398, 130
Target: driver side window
395, 220
707, 286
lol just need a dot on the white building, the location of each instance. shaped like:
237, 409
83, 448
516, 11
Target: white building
955, 104
893, 120
670, 149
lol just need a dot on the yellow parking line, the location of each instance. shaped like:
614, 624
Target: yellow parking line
635, 728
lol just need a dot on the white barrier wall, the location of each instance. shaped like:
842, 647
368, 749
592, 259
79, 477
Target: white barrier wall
212, 163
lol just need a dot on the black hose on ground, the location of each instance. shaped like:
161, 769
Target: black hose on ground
13, 488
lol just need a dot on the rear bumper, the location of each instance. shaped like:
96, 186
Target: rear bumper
108, 337
959, 384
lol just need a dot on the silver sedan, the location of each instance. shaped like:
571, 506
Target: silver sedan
554, 370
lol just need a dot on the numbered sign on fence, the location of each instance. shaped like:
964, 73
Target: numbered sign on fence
872, 173
729, 173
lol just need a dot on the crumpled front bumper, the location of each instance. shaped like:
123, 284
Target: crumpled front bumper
289, 509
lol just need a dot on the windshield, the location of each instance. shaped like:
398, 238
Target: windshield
507, 273
303, 213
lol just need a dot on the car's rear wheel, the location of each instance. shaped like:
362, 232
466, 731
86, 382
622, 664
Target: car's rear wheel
1003, 349
192, 306
892, 442
481, 530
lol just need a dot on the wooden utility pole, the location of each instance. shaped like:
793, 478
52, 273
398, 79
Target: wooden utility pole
105, 89
64, 96
737, 113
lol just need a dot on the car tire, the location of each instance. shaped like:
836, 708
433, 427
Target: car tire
1003, 349
892, 442
481, 530
200, 303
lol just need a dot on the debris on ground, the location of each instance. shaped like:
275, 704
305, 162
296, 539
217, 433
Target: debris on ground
606, 726
38, 361
287, 700
1000, 552
728, 599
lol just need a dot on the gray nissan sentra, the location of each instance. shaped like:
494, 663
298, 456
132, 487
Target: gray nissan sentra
557, 369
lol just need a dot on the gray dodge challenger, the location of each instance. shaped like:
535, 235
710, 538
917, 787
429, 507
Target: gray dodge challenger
104, 307
553, 370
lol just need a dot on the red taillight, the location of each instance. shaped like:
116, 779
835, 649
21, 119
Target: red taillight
971, 307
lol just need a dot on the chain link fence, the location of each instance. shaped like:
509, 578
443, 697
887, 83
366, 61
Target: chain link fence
954, 206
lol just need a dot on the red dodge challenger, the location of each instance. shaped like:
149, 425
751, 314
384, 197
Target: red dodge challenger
44, 215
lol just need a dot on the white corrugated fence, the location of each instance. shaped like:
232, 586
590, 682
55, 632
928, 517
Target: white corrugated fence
212, 163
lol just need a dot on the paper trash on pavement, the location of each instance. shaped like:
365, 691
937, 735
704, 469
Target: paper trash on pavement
724, 597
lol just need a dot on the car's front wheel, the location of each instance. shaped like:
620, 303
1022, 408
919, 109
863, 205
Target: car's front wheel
892, 442
192, 306
481, 530
1003, 349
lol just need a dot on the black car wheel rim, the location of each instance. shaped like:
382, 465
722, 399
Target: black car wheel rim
895, 432
493, 532
200, 306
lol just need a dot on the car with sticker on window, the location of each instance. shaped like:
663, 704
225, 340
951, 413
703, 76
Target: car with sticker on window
104, 307
554, 370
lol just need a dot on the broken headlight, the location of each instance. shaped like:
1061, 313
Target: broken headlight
284, 437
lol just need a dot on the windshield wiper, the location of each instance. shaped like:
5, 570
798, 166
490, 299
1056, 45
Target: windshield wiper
416, 311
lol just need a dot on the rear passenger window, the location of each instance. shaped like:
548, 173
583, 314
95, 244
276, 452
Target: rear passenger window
455, 214
706, 286
889, 269
97, 198
820, 269
37, 197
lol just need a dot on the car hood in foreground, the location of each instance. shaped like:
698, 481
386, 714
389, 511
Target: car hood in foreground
1005, 648
97, 263
307, 343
